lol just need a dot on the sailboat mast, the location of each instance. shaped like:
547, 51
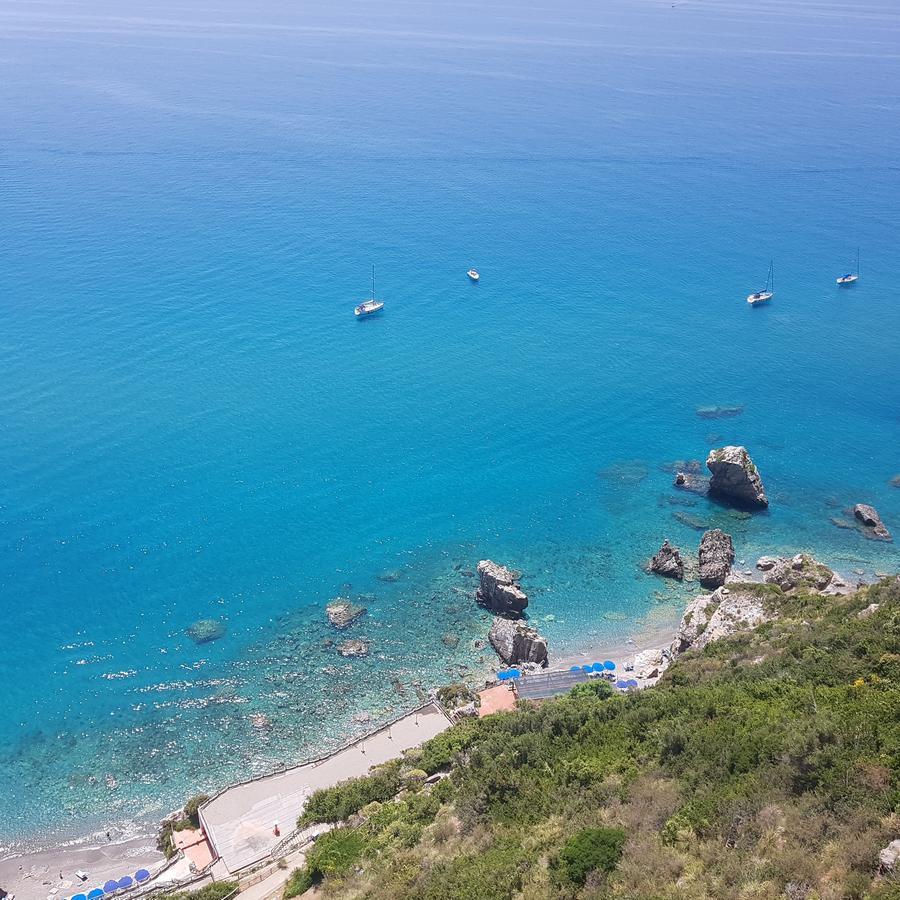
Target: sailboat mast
373, 281
857, 260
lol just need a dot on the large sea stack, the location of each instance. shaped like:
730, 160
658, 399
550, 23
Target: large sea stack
716, 557
735, 478
516, 643
499, 590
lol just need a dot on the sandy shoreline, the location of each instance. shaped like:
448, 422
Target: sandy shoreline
619, 650
36, 876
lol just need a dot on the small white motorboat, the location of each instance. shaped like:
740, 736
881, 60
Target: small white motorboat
768, 292
473, 274
850, 277
369, 307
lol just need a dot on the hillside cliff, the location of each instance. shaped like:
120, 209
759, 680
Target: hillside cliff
764, 765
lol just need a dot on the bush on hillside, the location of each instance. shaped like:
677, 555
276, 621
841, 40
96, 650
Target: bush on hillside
217, 890
299, 883
589, 850
335, 804
335, 853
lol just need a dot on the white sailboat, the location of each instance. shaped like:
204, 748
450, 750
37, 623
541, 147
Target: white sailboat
473, 274
369, 307
768, 292
850, 277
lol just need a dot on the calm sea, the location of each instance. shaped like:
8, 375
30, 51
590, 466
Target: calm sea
193, 425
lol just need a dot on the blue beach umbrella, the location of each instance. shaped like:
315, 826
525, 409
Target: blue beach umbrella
126, 881
513, 673
502, 676
79, 896
110, 887
140, 876
95, 894
609, 664
574, 668
631, 682
597, 667
586, 669
621, 684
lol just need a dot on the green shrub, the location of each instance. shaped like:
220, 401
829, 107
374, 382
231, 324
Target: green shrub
214, 891
299, 883
443, 749
454, 695
335, 853
192, 809
589, 850
593, 689
495, 874
335, 804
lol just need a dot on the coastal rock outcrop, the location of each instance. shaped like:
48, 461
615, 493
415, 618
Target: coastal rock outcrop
499, 590
798, 572
889, 858
690, 481
690, 520
342, 612
693, 622
205, 630
716, 557
650, 664
719, 412
354, 648
668, 562
711, 617
735, 477
516, 642
873, 527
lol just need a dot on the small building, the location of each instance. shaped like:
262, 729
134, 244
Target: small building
193, 843
496, 698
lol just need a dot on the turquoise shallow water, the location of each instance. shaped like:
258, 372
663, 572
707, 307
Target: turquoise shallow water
193, 425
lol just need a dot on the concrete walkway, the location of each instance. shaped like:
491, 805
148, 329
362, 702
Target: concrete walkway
240, 822
273, 885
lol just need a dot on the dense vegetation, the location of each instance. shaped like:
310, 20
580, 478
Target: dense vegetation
764, 767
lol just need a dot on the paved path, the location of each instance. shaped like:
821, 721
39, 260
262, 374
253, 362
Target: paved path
240, 822
273, 885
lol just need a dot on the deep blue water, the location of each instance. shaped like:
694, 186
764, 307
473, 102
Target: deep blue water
192, 423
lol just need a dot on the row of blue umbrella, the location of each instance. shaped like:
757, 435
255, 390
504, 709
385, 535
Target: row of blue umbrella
509, 674
606, 666
113, 886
